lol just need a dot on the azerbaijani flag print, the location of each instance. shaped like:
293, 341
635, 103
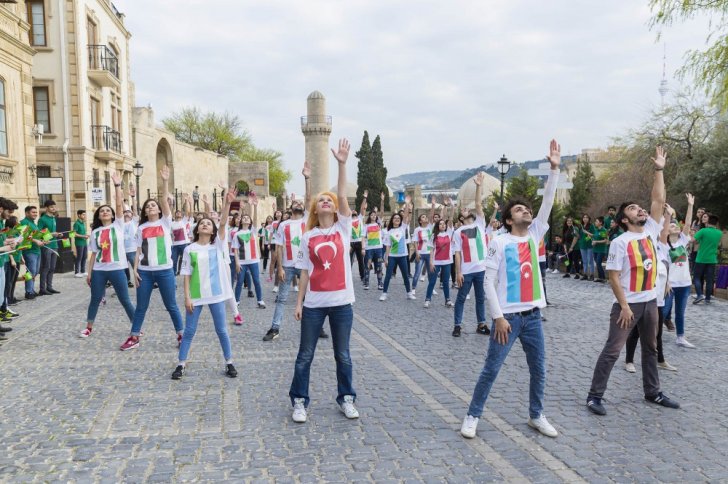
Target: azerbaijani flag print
472, 245
643, 273
154, 247
205, 279
373, 235
246, 239
523, 280
108, 246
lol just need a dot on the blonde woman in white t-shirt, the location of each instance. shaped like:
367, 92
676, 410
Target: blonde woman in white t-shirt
327, 285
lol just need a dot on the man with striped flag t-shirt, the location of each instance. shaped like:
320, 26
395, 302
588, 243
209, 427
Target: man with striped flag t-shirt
515, 295
632, 265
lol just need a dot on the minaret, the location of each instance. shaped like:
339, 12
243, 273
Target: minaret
663, 83
316, 128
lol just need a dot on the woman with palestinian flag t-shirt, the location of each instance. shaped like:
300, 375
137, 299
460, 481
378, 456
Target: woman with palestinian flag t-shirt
108, 260
153, 263
206, 283
326, 290
247, 254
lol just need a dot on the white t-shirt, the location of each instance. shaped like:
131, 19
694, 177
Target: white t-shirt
181, 231
207, 266
373, 236
325, 255
423, 239
679, 275
356, 228
396, 239
469, 240
634, 255
246, 243
519, 286
155, 240
289, 236
663, 260
442, 248
130, 229
107, 243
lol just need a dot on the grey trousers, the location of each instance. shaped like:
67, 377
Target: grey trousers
645, 317
47, 268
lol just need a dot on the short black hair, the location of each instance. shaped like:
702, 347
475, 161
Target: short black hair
601, 220
713, 219
506, 211
611, 207
49, 203
620, 215
80, 212
29, 208
7, 204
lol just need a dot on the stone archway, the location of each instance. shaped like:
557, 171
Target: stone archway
164, 157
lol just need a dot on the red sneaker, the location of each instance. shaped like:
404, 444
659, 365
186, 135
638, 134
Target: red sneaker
238, 320
130, 343
85, 333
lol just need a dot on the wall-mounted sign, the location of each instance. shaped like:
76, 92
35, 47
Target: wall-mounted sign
259, 182
97, 194
50, 186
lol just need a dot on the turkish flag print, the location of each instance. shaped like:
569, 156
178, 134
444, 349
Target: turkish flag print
327, 255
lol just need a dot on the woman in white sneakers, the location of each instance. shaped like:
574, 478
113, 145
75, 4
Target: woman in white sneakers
108, 260
440, 263
205, 267
396, 242
372, 247
247, 254
328, 288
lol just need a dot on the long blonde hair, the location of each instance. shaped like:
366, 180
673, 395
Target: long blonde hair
313, 220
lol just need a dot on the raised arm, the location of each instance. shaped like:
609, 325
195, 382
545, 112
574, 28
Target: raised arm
230, 195
253, 199
341, 156
495, 214
688, 215
381, 202
206, 205
164, 201
667, 215
119, 194
478, 179
658, 186
306, 172
432, 209
363, 206
549, 191
407, 210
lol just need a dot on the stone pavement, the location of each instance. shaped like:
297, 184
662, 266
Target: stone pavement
81, 410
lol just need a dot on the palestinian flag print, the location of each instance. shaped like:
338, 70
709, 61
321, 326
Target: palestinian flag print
248, 244
472, 245
107, 242
154, 247
642, 259
522, 273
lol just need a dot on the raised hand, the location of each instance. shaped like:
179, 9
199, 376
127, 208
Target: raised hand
115, 178
306, 172
366, 193
204, 197
132, 190
660, 158
554, 156
343, 152
407, 200
381, 195
478, 179
231, 194
164, 173
495, 206
691, 198
253, 199
448, 201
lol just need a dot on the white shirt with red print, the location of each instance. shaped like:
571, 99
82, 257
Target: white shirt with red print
289, 236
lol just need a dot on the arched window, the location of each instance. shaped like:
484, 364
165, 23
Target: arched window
3, 121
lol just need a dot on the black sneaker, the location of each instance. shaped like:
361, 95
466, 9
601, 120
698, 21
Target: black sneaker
483, 329
566, 276
699, 299
661, 399
576, 277
178, 372
270, 335
323, 334
3, 329
250, 294
130, 284
231, 371
456, 331
595, 405
53, 291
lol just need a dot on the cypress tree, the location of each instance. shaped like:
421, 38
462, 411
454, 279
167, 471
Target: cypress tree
365, 174
380, 172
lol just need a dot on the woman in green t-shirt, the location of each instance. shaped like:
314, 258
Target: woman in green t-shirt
586, 233
600, 244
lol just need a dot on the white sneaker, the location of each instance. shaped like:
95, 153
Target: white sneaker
413, 291
555, 271
449, 304
467, 297
422, 278
295, 288
427, 304
630, 367
681, 341
543, 426
470, 425
261, 304
666, 366
78, 274
347, 406
383, 297
434, 293
85, 333
411, 296
275, 289
299, 410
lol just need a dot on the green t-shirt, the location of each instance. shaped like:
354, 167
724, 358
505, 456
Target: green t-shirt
48, 222
601, 234
709, 239
3, 256
607, 222
79, 226
585, 240
34, 249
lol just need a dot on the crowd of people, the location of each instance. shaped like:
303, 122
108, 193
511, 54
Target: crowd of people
650, 258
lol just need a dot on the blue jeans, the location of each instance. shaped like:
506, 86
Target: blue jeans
401, 262
340, 321
680, 296
444, 271
283, 288
374, 255
246, 271
476, 279
79, 264
98, 288
530, 331
218, 317
2, 284
423, 262
166, 282
598, 259
32, 263
587, 260
177, 253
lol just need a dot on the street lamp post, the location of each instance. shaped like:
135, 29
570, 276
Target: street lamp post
504, 167
138, 170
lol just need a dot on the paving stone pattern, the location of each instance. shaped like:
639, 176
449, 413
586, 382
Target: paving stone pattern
82, 411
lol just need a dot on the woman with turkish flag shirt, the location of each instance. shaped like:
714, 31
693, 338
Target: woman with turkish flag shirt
326, 283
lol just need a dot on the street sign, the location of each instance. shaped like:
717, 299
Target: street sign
98, 195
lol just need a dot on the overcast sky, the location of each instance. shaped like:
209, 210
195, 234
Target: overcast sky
447, 84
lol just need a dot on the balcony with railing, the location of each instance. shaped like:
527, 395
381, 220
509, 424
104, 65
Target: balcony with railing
318, 124
106, 141
103, 66
315, 119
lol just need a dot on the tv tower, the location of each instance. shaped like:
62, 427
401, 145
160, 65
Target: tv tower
663, 83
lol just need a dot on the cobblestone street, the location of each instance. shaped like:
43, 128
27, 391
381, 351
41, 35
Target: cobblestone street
81, 410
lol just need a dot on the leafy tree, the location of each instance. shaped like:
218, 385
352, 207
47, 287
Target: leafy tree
524, 187
584, 185
278, 176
